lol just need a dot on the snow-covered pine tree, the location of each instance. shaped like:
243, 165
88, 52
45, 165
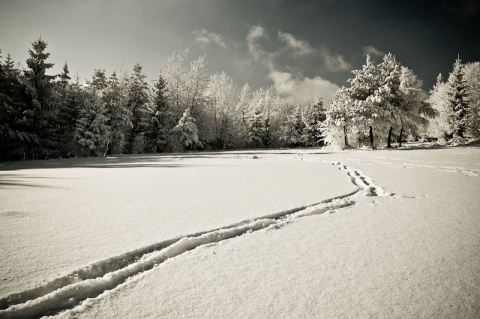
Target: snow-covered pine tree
98, 84
14, 135
388, 97
186, 132
313, 116
458, 99
293, 129
92, 130
472, 77
338, 123
117, 113
41, 105
364, 108
137, 100
158, 134
256, 130
70, 98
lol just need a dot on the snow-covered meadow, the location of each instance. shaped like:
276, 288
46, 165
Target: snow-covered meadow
305, 233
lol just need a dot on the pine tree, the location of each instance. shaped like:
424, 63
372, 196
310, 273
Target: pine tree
137, 99
293, 129
92, 130
13, 135
458, 99
362, 90
70, 98
186, 132
256, 130
118, 115
313, 117
158, 135
64, 76
472, 77
338, 120
98, 84
41, 108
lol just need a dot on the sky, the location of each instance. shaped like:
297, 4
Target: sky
302, 48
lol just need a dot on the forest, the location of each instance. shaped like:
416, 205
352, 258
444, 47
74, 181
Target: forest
45, 116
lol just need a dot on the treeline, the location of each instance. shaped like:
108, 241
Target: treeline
44, 116
49, 116
385, 103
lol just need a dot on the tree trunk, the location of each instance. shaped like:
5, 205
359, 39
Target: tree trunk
401, 136
371, 136
345, 136
389, 141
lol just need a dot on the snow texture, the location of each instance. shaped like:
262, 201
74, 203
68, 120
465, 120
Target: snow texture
383, 255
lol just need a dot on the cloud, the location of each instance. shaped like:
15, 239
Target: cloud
254, 48
300, 47
304, 89
334, 61
206, 37
372, 51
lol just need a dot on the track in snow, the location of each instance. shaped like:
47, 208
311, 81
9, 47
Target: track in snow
68, 291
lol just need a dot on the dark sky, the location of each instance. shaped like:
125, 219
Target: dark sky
301, 47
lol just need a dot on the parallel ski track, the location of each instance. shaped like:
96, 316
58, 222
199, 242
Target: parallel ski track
66, 292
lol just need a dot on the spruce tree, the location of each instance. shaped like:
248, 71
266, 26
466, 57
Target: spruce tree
158, 135
313, 117
118, 115
41, 105
14, 135
458, 99
92, 130
137, 99
186, 132
256, 130
293, 129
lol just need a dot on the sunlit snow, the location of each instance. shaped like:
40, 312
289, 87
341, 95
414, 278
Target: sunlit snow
264, 234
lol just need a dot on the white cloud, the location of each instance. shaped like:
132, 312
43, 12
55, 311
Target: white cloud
334, 61
300, 47
373, 51
303, 89
254, 34
206, 37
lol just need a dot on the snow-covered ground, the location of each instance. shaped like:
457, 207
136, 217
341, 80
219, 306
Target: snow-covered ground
266, 234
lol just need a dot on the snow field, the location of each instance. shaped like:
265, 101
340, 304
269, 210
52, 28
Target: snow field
380, 254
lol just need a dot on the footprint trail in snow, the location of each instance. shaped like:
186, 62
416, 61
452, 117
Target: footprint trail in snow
69, 291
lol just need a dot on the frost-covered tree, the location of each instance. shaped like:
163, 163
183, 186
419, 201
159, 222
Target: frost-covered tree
440, 127
118, 114
458, 99
92, 130
414, 112
313, 117
158, 134
186, 132
222, 98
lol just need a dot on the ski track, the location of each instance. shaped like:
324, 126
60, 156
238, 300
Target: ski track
68, 291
